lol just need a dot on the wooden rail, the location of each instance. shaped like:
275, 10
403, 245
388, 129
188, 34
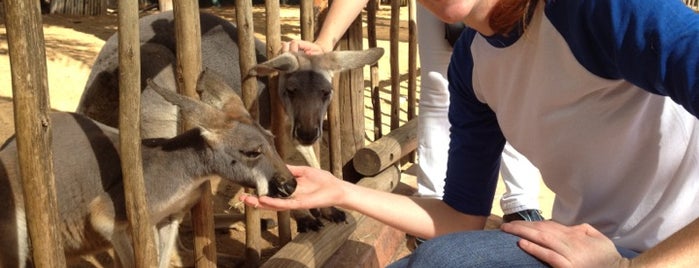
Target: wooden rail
387, 150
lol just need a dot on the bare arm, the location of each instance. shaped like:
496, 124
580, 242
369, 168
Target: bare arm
678, 250
418, 216
340, 15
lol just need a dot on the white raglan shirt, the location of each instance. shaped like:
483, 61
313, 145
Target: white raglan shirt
617, 152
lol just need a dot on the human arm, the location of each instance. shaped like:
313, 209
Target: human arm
418, 216
584, 246
340, 15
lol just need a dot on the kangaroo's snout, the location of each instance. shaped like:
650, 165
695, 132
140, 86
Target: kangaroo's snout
281, 187
306, 135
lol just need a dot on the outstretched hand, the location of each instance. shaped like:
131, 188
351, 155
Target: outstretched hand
315, 188
566, 246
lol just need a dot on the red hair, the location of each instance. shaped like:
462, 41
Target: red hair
507, 13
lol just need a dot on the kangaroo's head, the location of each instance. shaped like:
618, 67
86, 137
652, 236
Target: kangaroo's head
241, 150
305, 85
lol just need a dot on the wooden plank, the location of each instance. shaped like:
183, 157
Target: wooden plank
315, 248
130, 135
25, 36
386, 151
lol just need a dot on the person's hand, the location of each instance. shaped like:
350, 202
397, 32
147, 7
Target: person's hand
315, 188
565, 246
307, 47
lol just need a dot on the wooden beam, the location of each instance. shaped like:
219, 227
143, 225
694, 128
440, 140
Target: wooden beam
25, 36
315, 248
386, 151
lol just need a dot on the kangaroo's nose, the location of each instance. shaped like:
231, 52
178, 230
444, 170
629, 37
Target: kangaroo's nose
306, 136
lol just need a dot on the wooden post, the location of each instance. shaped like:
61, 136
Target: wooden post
395, 67
334, 133
307, 25
351, 97
25, 36
130, 135
246, 43
412, 59
307, 15
188, 69
372, 7
274, 45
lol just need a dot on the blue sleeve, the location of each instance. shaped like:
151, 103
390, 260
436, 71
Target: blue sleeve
476, 139
653, 44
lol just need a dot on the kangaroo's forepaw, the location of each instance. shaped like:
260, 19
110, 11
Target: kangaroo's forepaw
308, 223
334, 215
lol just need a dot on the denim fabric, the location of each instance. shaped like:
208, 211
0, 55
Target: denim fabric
491, 248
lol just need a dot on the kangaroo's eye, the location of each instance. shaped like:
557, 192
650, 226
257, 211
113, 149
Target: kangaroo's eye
252, 153
326, 95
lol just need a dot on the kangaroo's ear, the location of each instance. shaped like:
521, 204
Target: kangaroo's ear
194, 111
286, 62
235, 109
351, 59
213, 90
212, 138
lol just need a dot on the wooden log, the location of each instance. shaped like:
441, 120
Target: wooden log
313, 249
246, 43
384, 152
33, 127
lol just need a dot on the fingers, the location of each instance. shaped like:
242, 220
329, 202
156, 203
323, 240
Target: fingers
285, 47
544, 254
266, 202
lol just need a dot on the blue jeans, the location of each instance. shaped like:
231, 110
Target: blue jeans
492, 248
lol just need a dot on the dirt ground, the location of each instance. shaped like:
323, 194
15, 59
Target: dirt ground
72, 44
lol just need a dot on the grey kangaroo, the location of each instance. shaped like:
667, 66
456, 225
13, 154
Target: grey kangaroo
226, 142
305, 84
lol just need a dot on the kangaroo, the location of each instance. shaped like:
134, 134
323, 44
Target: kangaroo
227, 143
305, 87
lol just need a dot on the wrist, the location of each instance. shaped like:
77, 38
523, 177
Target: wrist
325, 45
